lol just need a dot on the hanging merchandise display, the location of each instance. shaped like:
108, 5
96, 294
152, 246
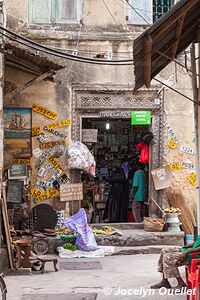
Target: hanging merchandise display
78, 156
144, 152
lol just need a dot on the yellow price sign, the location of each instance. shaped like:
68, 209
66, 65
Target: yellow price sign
192, 178
35, 193
176, 166
55, 163
41, 198
52, 193
51, 144
55, 125
44, 111
36, 130
22, 161
172, 144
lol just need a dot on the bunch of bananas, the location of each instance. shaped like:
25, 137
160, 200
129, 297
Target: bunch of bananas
172, 210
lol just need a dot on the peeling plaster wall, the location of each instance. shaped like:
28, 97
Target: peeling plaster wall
178, 112
44, 94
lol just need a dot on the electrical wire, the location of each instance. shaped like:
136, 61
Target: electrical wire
39, 47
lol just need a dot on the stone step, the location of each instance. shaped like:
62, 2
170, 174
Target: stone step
154, 249
120, 226
139, 237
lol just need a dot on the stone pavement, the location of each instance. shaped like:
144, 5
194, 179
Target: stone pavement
128, 276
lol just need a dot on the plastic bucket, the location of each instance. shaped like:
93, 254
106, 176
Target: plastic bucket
189, 239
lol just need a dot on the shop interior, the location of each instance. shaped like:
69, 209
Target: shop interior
116, 143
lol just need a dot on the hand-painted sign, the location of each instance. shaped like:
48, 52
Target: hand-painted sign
89, 135
115, 114
176, 166
44, 111
57, 174
141, 117
36, 130
42, 137
35, 193
22, 161
188, 150
63, 179
188, 164
60, 218
172, 144
51, 144
56, 133
71, 191
37, 152
192, 178
162, 177
54, 163
171, 132
52, 193
62, 123
44, 184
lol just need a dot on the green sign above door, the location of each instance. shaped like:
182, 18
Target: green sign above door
141, 117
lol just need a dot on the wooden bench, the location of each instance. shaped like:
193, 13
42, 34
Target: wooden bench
48, 258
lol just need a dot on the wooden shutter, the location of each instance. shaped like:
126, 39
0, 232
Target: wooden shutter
67, 11
40, 11
143, 11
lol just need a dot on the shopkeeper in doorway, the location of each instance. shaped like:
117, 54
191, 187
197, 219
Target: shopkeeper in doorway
138, 193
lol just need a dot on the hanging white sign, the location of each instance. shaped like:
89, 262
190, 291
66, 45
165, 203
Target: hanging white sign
188, 150
171, 132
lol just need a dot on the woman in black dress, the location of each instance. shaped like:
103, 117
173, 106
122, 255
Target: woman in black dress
116, 210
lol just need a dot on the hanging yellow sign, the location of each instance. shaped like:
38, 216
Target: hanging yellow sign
55, 125
55, 163
36, 130
176, 166
172, 144
192, 178
35, 193
41, 199
52, 144
52, 193
44, 111
22, 161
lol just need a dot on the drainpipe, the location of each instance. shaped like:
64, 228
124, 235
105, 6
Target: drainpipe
196, 121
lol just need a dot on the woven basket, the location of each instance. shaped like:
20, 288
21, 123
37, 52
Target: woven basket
149, 225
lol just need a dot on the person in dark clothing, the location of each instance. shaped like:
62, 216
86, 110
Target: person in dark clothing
116, 209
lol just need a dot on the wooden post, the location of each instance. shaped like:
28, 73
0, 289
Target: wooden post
2, 23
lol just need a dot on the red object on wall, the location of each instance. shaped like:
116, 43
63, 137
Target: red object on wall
144, 155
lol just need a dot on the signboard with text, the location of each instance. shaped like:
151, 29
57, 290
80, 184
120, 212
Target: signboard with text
141, 117
89, 135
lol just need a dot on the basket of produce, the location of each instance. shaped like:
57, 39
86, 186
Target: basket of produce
153, 224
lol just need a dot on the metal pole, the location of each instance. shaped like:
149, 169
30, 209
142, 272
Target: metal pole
196, 121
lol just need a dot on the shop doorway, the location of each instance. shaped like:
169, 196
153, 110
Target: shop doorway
116, 144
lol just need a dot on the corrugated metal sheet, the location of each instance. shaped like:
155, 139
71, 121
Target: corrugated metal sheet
170, 35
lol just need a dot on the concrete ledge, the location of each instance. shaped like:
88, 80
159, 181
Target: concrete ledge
120, 226
138, 250
141, 238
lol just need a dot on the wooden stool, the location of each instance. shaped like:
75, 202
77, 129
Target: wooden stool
48, 258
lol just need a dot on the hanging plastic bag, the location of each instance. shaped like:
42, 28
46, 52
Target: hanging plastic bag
85, 240
78, 156
144, 155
